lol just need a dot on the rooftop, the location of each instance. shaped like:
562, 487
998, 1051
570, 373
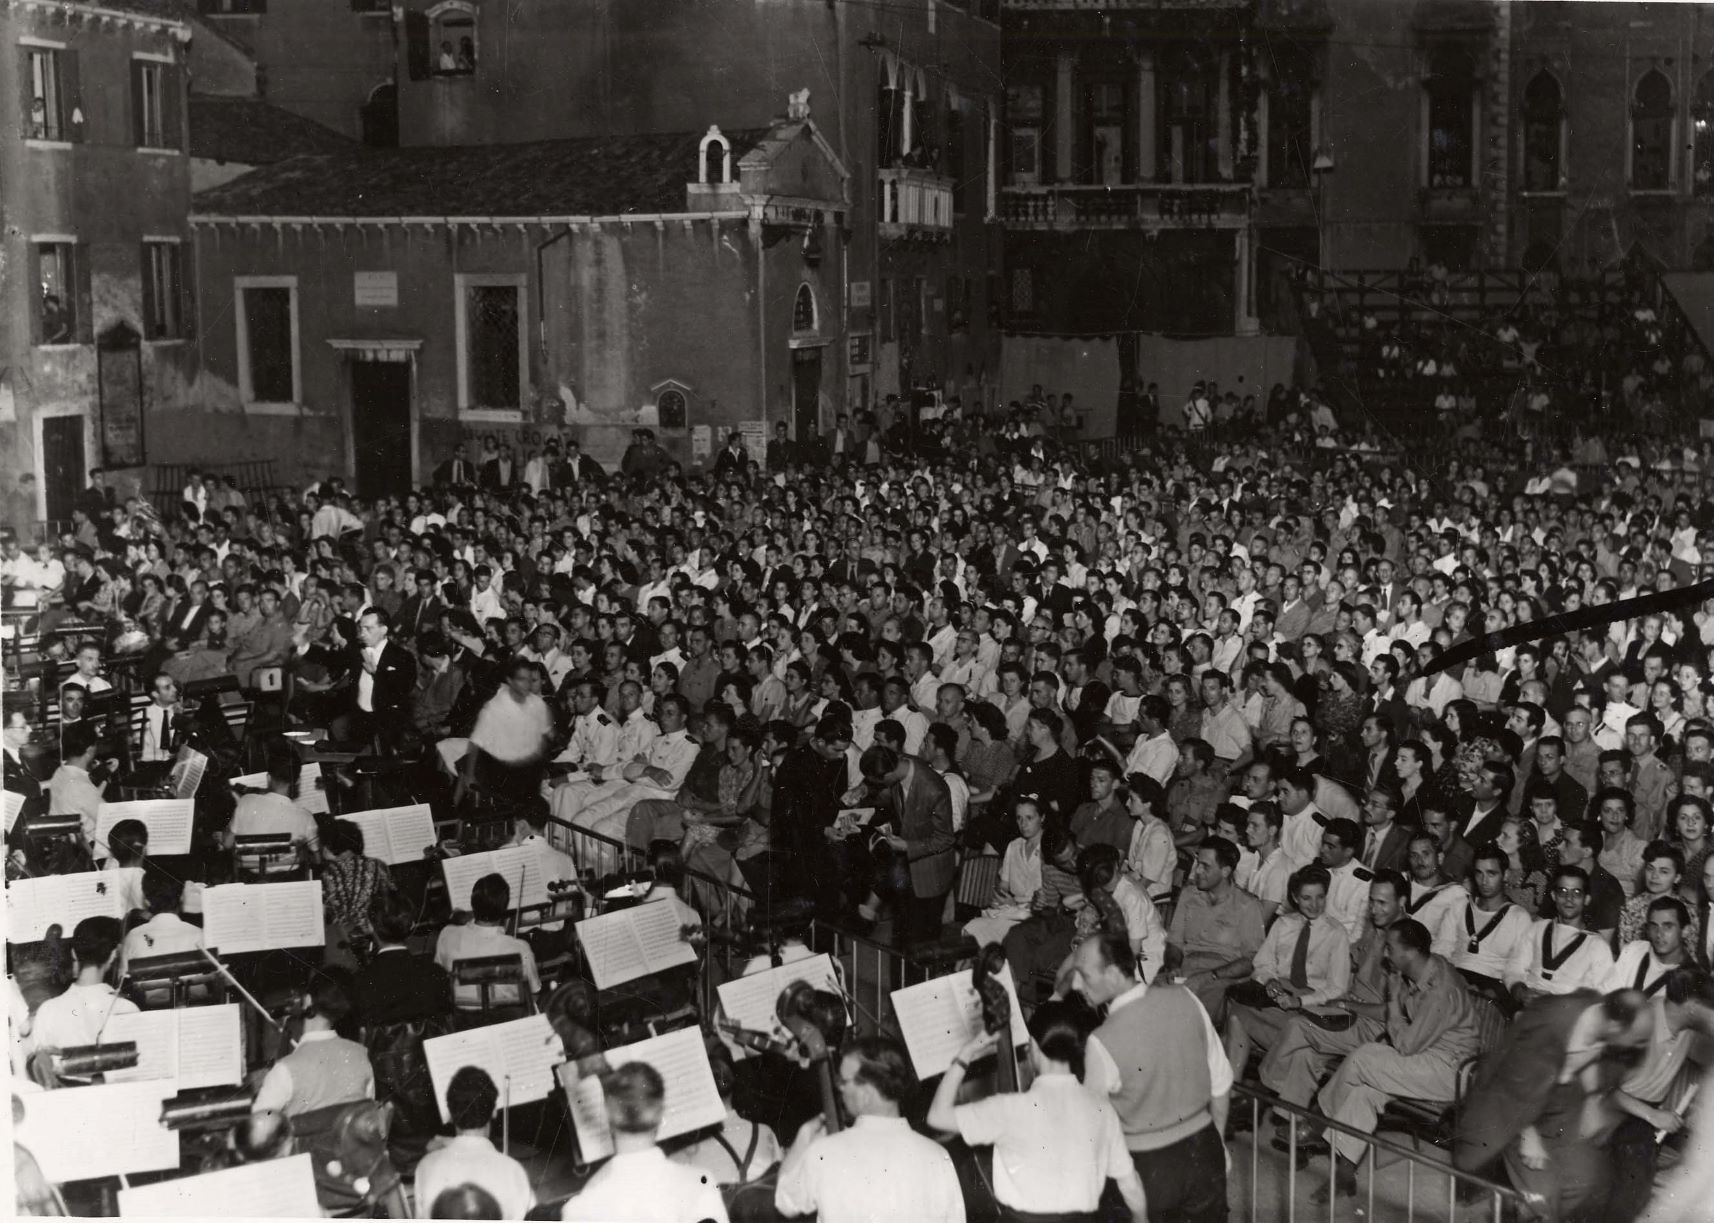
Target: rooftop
592, 177
251, 132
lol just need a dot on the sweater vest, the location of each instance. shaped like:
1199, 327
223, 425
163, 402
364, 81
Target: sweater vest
1161, 1050
327, 1072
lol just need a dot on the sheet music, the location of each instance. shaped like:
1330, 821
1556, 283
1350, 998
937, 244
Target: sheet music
32, 905
612, 948
168, 820
79, 1133
692, 1100
199, 1046
660, 931
397, 835
14, 804
272, 1189
519, 865
310, 793
526, 1049
241, 917
187, 771
750, 1001
938, 1016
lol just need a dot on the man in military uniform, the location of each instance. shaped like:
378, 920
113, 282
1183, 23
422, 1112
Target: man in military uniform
1653, 784
658, 772
1348, 894
592, 751
1313, 1040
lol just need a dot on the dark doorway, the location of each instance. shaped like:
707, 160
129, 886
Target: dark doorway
381, 118
381, 426
63, 470
806, 393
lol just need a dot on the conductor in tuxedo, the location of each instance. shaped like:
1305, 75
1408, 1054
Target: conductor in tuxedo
913, 799
380, 679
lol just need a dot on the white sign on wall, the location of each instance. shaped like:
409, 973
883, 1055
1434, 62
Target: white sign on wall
376, 288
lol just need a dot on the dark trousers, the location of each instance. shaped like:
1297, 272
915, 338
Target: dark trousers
1635, 1154
916, 919
1185, 1182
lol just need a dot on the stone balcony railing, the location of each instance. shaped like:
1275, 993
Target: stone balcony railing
915, 204
1131, 206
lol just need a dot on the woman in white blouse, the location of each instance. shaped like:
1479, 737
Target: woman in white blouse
1020, 879
1295, 968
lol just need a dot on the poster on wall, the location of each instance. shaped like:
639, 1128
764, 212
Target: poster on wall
701, 442
755, 437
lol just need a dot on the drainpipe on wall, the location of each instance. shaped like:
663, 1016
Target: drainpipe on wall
761, 318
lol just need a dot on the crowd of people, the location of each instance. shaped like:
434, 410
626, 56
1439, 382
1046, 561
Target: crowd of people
1186, 710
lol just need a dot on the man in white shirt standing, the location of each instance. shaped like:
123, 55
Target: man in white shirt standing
639, 1182
880, 1168
469, 1157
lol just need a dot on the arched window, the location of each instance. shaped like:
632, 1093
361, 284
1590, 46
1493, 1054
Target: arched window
671, 407
1702, 136
714, 158
1651, 133
1450, 131
1544, 123
452, 26
803, 311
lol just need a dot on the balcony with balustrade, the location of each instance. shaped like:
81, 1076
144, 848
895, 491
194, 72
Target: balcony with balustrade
916, 204
1127, 206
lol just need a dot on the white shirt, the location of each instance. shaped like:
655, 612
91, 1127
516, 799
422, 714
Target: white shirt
1055, 1145
366, 677
1492, 952
1101, 1072
162, 934
636, 735
1623, 974
1348, 898
646, 1187
1300, 836
1585, 968
1440, 907
1156, 758
470, 1159
76, 1016
1327, 969
510, 730
1267, 879
878, 1171
1152, 856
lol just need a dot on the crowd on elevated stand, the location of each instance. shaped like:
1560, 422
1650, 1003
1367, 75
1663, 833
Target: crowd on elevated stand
1185, 708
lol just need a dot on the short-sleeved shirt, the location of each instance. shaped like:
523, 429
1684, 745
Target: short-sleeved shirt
1055, 1145
1231, 928
512, 731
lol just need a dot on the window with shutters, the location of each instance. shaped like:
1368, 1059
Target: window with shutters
453, 27
267, 312
163, 291
51, 111
59, 292
149, 93
493, 348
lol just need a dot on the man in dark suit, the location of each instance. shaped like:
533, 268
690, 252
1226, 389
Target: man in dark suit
578, 467
1484, 812
1386, 843
916, 805
19, 777
381, 675
420, 612
1456, 854
500, 473
1385, 698
458, 471
1376, 762
1527, 1103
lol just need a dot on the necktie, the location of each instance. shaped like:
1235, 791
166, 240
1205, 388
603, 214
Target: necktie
1369, 850
1300, 959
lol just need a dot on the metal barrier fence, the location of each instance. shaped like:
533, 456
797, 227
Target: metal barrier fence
1396, 1180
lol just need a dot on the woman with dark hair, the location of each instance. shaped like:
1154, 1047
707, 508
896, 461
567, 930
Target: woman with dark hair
350, 882
1056, 1145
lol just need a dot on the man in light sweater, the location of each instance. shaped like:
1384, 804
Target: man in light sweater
1158, 1059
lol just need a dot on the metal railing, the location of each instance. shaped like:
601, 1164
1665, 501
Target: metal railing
1384, 1185
1127, 205
915, 200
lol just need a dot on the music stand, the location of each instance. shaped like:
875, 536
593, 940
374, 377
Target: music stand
163, 981
199, 1110
488, 973
253, 855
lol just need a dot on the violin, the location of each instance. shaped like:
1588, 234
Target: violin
996, 1010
